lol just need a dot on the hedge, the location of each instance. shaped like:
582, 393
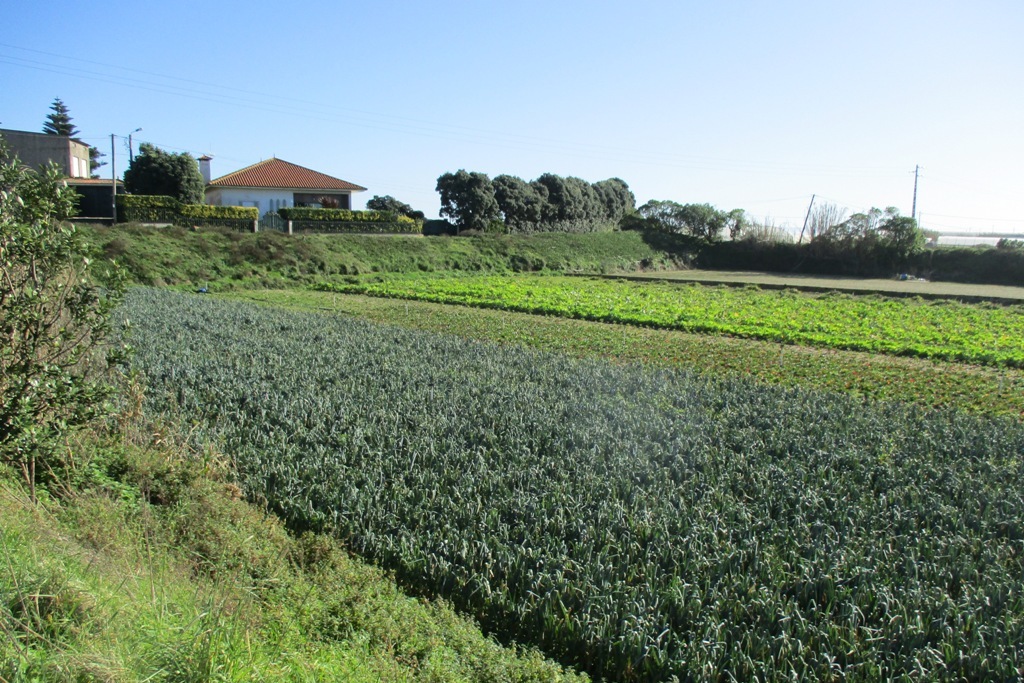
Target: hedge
401, 225
981, 265
302, 213
156, 208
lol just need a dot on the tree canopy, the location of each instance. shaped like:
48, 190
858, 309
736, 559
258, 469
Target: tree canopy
58, 122
156, 172
467, 199
549, 203
697, 220
389, 203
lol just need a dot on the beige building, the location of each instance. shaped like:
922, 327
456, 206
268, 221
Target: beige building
38, 149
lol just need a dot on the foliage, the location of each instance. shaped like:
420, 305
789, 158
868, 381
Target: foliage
152, 569
550, 203
53, 319
236, 260
303, 213
702, 221
467, 199
58, 122
145, 208
877, 236
192, 213
645, 524
156, 172
946, 329
390, 204
157, 208
924, 382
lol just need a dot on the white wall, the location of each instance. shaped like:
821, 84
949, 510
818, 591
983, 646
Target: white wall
265, 200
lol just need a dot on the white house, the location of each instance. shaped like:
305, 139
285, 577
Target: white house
275, 183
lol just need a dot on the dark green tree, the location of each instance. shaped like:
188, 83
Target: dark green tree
901, 236
520, 204
703, 221
616, 197
389, 203
156, 172
54, 319
467, 199
58, 122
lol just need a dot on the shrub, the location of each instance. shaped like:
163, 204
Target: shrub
54, 318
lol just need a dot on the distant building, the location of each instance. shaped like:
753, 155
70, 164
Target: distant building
274, 184
36, 150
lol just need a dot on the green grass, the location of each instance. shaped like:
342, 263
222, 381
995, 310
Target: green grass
223, 260
141, 562
948, 330
971, 388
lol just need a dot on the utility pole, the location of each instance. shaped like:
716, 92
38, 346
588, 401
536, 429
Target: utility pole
806, 218
913, 210
113, 178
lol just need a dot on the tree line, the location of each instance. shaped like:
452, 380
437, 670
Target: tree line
551, 203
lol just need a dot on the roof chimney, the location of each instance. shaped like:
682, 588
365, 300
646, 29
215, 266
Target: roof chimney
204, 167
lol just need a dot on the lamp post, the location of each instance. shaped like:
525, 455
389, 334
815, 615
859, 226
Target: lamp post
131, 154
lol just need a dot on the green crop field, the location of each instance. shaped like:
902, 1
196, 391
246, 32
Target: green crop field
640, 523
973, 388
947, 330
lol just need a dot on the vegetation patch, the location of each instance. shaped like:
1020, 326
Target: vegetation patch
643, 524
927, 383
945, 330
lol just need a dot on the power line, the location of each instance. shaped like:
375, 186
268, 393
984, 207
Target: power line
295, 107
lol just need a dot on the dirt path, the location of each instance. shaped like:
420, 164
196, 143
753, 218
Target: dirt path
921, 288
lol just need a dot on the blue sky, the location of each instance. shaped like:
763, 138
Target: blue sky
742, 104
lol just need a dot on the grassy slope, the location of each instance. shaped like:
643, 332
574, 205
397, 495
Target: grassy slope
972, 388
226, 260
148, 566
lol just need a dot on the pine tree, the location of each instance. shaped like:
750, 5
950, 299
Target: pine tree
58, 122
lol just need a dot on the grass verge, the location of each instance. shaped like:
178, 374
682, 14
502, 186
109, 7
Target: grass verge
220, 259
141, 562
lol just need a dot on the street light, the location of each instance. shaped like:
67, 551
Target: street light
131, 154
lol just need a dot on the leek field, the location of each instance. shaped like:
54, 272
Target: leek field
639, 523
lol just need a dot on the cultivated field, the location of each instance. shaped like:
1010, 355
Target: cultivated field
949, 330
638, 522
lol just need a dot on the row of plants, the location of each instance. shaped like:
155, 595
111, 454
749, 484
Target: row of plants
351, 222
154, 208
947, 330
642, 524
972, 388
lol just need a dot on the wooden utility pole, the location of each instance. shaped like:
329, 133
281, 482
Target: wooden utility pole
113, 178
806, 218
913, 210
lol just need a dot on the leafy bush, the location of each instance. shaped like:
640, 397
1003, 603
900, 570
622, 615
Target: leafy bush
160, 208
54, 319
304, 213
147, 208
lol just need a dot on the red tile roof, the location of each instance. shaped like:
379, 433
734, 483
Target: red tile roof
277, 173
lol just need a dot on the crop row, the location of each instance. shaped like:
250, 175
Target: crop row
641, 524
948, 330
989, 390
